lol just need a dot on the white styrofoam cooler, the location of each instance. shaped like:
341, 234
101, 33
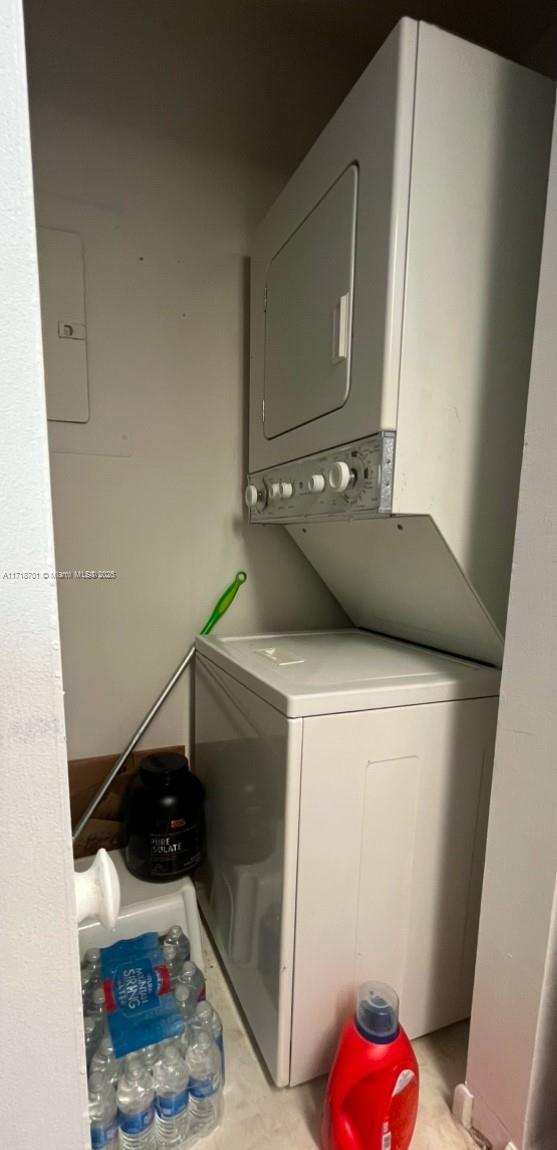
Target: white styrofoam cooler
146, 906
348, 779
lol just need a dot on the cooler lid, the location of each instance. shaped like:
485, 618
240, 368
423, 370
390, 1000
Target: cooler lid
328, 672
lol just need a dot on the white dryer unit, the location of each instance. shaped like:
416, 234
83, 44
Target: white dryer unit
393, 296
348, 780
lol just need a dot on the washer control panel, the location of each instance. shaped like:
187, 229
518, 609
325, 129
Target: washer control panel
355, 478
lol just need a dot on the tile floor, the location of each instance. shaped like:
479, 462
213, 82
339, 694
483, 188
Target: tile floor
258, 1116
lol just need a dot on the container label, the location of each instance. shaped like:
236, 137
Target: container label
404, 1079
176, 851
171, 1107
136, 986
137, 1123
102, 1136
202, 1087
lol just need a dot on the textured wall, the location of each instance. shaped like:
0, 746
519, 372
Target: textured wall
40, 1000
151, 487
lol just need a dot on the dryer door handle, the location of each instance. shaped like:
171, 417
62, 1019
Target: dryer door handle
341, 328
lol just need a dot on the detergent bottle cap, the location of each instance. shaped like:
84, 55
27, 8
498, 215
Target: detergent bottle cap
377, 1012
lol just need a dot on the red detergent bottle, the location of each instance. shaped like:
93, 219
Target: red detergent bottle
371, 1101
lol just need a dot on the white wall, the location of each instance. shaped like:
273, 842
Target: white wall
513, 1042
152, 486
40, 999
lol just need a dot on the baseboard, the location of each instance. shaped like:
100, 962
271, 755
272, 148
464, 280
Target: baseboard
463, 1105
463, 1112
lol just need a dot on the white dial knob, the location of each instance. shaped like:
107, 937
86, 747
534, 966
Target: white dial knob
251, 495
273, 490
286, 490
339, 476
316, 483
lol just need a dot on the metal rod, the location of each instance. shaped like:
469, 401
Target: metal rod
220, 609
82, 823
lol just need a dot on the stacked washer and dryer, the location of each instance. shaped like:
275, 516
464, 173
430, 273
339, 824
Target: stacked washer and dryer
348, 773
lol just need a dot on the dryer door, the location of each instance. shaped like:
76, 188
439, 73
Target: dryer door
308, 317
326, 324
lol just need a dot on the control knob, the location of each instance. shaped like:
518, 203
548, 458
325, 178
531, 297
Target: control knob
273, 491
340, 476
316, 483
251, 495
285, 490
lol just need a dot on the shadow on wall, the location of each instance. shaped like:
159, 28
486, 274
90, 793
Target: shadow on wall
511, 273
294, 61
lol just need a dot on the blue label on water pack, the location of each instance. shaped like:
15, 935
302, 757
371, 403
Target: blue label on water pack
171, 1107
137, 1123
137, 986
102, 1136
202, 1087
141, 1010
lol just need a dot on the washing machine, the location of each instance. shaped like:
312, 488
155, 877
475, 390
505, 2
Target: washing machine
347, 778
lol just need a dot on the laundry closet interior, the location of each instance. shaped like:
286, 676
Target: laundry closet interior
289, 256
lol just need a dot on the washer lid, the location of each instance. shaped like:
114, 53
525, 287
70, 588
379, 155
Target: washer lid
323, 672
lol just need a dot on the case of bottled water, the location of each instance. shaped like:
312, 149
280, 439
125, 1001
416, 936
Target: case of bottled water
164, 1096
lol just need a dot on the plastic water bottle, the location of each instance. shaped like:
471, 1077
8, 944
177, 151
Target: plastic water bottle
167, 1044
150, 1056
171, 1098
105, 1061
92, 961
103, 1114
186, 1004
85, 982
206, 1018
185, 1000
136, 1106
172, 960
93, 1031
90, 975
192, 977
177, 937
95, 1020
205, 1084
96, 1006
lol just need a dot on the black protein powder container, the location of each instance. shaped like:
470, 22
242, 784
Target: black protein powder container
164, 819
